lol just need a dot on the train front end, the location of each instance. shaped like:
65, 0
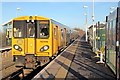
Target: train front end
31, 40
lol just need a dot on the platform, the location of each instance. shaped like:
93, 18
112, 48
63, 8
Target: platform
5, 48
76, 62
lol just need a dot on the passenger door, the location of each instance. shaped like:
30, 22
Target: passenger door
64, 37
30, 41
55, 39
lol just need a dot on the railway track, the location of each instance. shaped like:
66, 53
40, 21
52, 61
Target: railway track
6, 59
7, 67
11, 72
38, 69
15, 73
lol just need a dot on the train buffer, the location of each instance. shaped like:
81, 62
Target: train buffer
75, 62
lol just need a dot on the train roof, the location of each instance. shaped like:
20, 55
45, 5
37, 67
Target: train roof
53, 21
28, 17
59, 24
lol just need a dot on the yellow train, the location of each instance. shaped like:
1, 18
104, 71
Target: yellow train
36, 39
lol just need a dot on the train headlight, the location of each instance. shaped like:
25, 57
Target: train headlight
44, 48
41, 50
17, 47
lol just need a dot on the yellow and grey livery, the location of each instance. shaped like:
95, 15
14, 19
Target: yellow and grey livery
37, 38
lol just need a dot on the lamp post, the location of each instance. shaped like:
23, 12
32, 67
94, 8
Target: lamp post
86, 20
94, 39
18, 9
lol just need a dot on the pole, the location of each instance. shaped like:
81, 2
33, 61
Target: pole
18, 9
86, 26
86, 20
93, 26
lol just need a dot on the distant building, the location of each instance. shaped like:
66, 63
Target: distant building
99, 36
6, 34
90, 34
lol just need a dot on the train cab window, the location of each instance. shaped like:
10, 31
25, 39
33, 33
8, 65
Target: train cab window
31, 30
18, 29
44, 29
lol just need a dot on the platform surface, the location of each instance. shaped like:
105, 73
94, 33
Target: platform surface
5, 48
77, 62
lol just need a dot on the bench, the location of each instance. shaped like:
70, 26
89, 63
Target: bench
100, 52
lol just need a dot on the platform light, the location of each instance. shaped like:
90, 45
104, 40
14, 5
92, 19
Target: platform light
86, 19
85, 6
94, 33
18, 9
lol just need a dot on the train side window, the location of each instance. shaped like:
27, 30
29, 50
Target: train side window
62, 34
56, 32
44, 29
68, 34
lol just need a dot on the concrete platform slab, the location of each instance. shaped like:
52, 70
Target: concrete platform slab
60, 66
77, 62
